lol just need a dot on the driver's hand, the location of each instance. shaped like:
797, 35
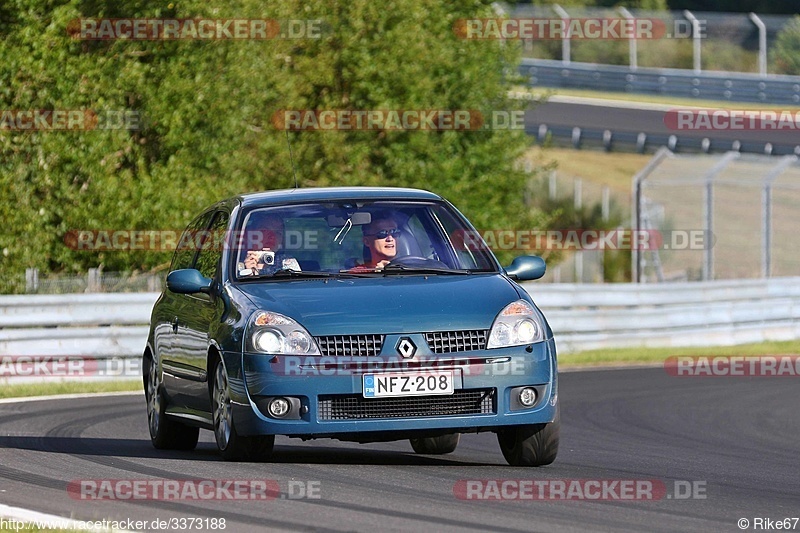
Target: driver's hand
381, 264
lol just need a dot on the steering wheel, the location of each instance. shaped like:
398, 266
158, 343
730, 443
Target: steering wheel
415, 261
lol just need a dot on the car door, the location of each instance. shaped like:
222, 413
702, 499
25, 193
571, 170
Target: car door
169, 343
196, 313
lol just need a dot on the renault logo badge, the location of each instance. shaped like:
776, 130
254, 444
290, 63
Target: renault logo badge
406, 348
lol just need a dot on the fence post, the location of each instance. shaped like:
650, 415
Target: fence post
565, 44
708, 210
632, 47
762, 43
31, 279
766, 213
696, 36
636, 208
93, 280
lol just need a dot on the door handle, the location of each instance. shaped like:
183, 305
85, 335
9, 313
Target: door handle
175, 325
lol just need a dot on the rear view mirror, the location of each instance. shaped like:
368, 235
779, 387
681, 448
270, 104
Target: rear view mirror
359, 218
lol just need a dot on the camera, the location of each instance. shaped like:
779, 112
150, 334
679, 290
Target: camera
267, 258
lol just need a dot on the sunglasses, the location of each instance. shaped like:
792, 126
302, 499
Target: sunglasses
382, 234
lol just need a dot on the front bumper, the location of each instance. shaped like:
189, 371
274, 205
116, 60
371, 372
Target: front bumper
314, 381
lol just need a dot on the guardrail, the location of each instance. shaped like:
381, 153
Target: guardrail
110, 329
586, 317
726, 86
642, 142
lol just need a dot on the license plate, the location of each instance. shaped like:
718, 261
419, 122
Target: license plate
407, 384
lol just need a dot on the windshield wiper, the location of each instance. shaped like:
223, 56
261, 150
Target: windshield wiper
402, 269
289, 273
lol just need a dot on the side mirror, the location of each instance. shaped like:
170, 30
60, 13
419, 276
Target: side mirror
188, 281
526, 268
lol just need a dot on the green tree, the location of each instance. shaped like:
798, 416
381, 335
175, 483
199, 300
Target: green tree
209, 105
785, 56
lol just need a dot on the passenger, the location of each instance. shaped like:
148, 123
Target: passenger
266, 231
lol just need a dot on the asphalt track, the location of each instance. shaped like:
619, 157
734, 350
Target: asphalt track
633, 120
737, 437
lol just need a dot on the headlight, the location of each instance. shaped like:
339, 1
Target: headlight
518, 323
273, 333
269, 341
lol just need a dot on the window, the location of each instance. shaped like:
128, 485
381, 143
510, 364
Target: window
186, 249
211, 246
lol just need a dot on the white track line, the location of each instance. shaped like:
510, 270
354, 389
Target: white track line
48, 521
69, 396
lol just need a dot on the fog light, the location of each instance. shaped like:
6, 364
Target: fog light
527, 396
278, 407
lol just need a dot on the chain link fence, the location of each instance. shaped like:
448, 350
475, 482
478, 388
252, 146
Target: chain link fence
730, 216
95, 280
728, 41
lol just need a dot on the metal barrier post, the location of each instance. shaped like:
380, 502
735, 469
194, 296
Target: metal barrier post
636, 211
762, 43
766, 213
708, 210
632, 44
565, 41
696, 35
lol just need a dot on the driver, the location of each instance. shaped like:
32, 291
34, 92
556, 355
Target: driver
380, 237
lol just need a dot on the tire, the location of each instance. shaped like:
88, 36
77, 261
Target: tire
533, 445
231, 445
165, 433
436, 445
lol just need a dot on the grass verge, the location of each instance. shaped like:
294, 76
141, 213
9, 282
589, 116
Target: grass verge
630, 356
68, 387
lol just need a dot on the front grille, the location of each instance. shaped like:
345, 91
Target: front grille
350, 345
354, 406
457, 341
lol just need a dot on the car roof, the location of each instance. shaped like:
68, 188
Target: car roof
283, 196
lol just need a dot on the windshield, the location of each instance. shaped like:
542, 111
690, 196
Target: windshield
358, 239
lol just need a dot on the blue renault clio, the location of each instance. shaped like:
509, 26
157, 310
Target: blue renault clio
360, 314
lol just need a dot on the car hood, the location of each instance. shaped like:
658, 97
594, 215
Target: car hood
385, 305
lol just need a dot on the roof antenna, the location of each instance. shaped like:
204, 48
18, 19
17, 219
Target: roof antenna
291, 156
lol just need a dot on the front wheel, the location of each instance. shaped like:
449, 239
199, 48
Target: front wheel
165, 434
532, 445
232, 446
436, 445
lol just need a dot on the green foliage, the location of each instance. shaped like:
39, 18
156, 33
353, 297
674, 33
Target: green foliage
208, 107
616, 263
785, 56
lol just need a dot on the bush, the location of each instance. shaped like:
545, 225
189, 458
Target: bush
785, 56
